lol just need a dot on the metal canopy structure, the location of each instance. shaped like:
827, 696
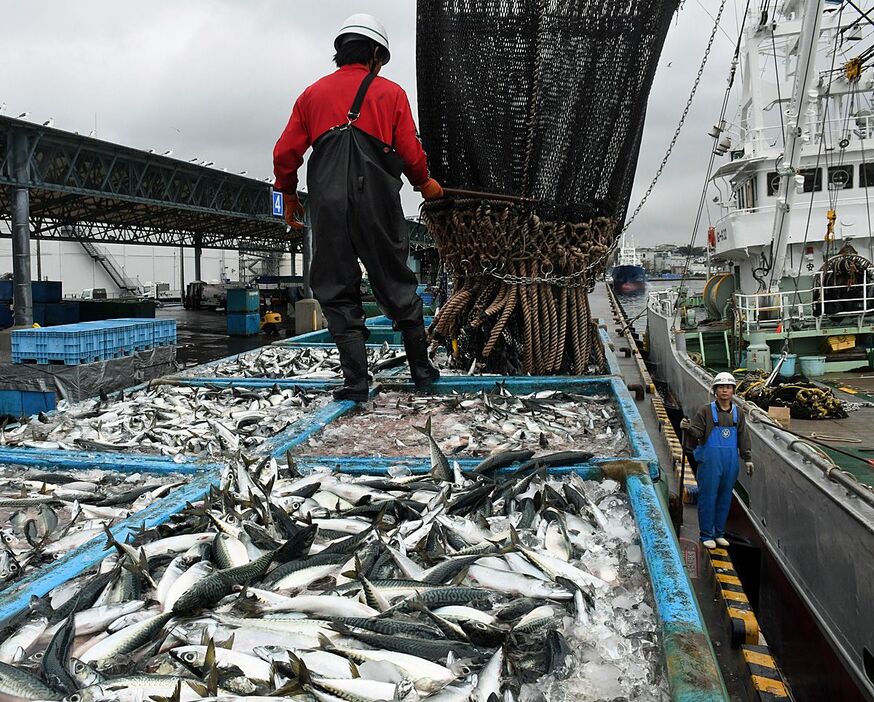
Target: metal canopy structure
86, 189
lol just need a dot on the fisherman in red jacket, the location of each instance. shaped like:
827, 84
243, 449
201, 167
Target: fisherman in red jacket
363, 137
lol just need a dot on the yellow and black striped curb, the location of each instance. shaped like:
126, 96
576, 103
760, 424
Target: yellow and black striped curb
764, 682
619, 318
690, 485
763, 679
742, 620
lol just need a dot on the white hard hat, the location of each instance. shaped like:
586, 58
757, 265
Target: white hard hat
723, 379
367, 26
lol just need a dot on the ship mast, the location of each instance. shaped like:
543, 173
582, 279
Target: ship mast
805, 75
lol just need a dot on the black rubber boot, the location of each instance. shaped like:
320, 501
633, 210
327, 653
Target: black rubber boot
353, 363
416, 346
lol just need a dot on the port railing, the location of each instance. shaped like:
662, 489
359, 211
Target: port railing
859, 128
818, 306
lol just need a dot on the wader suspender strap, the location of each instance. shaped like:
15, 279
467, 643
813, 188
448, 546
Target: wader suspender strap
355, 110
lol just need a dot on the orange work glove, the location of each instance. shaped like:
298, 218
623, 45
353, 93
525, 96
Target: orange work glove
431, 189
293, 211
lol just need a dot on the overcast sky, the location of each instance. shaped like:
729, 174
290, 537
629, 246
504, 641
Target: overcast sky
216, 79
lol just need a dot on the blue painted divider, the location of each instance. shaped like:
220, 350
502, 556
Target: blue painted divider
16, 599
418, 465
690, 661
99, 460
641, 448
233, 382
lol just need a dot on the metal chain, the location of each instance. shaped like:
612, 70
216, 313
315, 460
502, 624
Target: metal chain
673, 142
574, 280
686, 109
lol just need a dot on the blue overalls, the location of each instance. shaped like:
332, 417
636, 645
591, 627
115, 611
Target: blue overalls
718, 466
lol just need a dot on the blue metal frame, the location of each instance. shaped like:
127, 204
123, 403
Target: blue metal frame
109, 460
16, 599
380, 466
691, 665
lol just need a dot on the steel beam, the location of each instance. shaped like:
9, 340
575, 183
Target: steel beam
108, 193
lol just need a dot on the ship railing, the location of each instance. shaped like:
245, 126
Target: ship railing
820, 305
663, 302
860, 127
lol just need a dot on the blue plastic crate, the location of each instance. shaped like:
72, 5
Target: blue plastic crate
240, 324
61, 313
119, 337
142, 332
165, 332
46, 290
243, 300
34, 402
39, 314
70, 344
24, 403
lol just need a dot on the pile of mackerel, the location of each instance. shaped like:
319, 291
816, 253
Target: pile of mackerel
500, 583
308, 363
494, 582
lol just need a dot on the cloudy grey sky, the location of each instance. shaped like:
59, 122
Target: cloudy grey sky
216, 79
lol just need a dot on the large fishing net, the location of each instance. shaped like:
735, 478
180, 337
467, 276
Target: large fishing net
539, 104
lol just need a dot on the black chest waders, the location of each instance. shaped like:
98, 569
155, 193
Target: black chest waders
355, 208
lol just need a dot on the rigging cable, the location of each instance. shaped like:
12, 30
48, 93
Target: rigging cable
703, 198
777, 75
825, 112
775, 245
671, 145
823, 136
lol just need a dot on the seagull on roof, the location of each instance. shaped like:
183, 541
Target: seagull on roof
49, 122
243, 172
192, 160
151, 151
168, 152
23, 115
92, 133
211, 163
2, 106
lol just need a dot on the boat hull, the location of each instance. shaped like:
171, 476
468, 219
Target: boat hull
628, 278
819, 535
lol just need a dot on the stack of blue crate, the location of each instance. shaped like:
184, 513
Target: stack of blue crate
6, 317
72, 344
24, 403
243, 307
164, 331
49, 309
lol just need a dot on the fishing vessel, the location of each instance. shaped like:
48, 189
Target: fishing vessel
795, 236
628, 275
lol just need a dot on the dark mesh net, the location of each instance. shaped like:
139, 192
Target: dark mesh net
542, 101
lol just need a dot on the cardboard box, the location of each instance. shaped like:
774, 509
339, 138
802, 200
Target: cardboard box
780, 415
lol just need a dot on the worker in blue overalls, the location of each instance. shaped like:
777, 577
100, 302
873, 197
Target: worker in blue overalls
718, 433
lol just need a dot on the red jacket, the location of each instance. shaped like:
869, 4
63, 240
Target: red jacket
385, 115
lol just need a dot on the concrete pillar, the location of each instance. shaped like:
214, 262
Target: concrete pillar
182, 270
23, 298
198, 252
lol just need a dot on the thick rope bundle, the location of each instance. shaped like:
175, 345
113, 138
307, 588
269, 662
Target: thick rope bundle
519, 302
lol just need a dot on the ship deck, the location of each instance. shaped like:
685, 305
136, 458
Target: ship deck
852, 435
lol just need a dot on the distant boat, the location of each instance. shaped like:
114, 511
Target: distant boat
628, 275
